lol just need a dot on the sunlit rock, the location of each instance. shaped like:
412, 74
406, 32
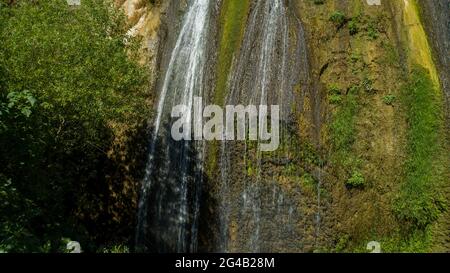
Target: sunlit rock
373, 2
74, 2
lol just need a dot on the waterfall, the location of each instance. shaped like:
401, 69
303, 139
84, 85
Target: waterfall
275, 27
260, 76
169, 201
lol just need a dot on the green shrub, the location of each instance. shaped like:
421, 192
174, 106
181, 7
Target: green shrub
389, 99
372, 31
353, 26
335, 99
342, 127
342, 243
308, 181
338, 18
66, 77
334, 90
356, 180
334, 94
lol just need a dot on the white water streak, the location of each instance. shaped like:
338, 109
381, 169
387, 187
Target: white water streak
183, 80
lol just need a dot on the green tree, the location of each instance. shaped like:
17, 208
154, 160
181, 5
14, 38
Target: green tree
66, 75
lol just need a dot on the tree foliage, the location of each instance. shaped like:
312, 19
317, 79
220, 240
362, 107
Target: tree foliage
66, 75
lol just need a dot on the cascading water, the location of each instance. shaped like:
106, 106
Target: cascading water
258, 207
260, 76
169, 201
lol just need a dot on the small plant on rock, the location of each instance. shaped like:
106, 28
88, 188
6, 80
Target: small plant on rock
356, 180
338, 18
389, 99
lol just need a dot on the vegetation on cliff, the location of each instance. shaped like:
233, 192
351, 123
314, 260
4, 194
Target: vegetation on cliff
420, 201
364, 149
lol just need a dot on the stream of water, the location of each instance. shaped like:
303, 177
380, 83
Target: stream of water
174, 221
260, 77
170, 196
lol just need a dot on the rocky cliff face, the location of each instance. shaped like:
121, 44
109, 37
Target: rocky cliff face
145, 22
338, 69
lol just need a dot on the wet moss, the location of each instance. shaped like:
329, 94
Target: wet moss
420, 202
420, 51
233, 20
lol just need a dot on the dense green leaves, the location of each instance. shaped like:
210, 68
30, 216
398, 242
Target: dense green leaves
66, 75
